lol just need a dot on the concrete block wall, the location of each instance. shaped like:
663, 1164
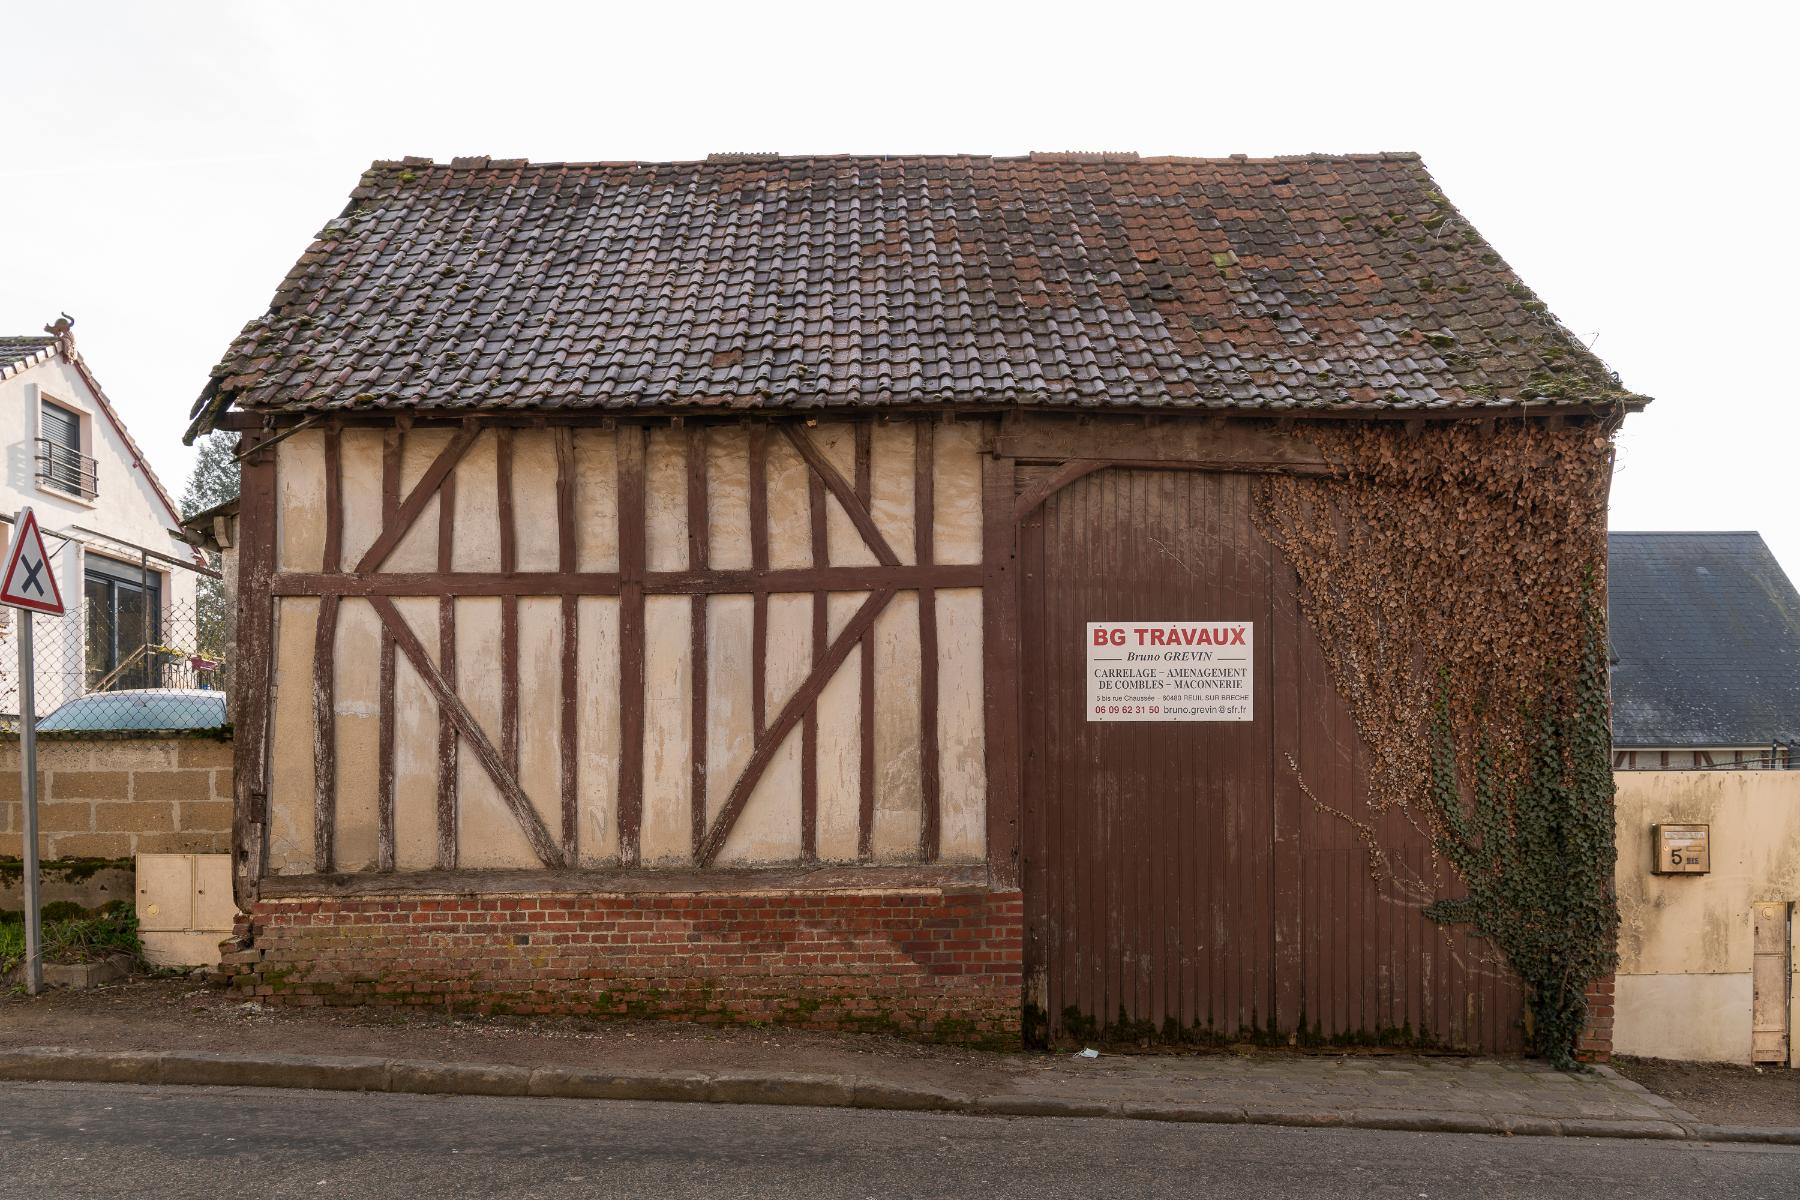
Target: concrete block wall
114, 797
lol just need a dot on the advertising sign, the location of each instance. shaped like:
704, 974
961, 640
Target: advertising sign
1170, 670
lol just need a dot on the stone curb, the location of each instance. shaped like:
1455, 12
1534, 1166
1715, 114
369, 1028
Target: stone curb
190, 1067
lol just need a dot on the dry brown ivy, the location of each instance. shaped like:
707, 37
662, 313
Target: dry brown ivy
1450, 571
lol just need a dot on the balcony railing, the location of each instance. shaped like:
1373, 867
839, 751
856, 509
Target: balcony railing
67, 470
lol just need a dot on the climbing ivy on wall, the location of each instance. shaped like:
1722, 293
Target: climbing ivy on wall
1534, 846
1453, 574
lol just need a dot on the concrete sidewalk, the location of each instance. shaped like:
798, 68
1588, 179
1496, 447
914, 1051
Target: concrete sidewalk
163, 1032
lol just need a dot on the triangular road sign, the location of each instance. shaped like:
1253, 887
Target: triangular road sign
30, 580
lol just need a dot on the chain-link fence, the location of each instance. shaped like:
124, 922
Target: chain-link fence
120, 660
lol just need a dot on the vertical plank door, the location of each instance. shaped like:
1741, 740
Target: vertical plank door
1148, 871
1769, 987
1202, 881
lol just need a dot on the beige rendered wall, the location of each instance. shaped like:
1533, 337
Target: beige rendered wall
769, 829
1684, 979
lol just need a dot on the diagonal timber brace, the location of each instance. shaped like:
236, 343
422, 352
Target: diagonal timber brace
805, 697
846, 495
505, 782
417, 499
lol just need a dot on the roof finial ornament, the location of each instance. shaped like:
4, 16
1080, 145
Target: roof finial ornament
62, 329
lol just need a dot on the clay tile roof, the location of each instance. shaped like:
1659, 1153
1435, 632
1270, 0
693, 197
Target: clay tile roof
1312, 283
18, 351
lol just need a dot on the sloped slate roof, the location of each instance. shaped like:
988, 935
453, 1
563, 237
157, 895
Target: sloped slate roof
747, 281
1705, 633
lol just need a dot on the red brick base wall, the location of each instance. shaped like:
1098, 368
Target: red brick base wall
924, 963
1597, 1038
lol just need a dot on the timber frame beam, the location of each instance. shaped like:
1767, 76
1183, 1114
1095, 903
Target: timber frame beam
554, 839
609, 583
251, 711
1058, 449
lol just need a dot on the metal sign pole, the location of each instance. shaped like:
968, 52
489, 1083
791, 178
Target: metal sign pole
28, 570
34, 950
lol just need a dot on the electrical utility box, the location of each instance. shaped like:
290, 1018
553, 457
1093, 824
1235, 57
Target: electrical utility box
1680, 849
184, 907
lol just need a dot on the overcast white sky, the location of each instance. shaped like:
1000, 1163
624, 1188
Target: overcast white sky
1635, 163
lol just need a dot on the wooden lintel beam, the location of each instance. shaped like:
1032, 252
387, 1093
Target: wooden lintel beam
727, 412
449, 583
1068, 472
607, 583
813, 579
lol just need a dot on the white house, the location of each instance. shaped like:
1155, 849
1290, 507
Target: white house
112, 530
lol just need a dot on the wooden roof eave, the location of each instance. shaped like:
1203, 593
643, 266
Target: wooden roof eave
255, 419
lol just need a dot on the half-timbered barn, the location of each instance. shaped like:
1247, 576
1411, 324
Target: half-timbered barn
665, 589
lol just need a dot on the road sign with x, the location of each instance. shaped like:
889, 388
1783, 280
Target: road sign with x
30, 580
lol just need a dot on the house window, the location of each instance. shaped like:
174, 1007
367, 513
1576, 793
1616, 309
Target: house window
124, 625
60, 462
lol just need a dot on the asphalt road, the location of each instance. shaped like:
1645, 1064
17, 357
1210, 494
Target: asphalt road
89, 1140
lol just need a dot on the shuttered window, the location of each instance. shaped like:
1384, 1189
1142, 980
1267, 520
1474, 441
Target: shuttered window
60, 462
62, 427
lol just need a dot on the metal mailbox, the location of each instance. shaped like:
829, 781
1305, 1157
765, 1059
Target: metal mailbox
1680, 849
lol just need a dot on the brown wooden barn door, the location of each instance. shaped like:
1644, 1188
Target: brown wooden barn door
1148, 846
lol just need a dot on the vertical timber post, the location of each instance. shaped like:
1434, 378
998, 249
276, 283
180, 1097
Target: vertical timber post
1000, 654
924, 528
255, 671
631, 442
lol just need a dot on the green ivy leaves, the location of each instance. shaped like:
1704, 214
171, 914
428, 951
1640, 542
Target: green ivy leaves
1535, 846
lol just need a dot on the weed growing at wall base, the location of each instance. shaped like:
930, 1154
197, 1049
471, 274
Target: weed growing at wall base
73, 937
